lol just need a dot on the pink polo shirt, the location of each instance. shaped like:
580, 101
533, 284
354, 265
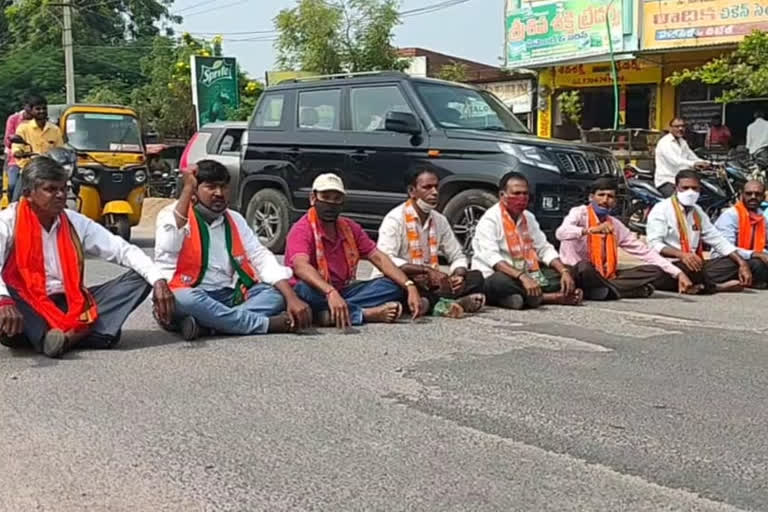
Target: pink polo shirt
301, 240
11, 125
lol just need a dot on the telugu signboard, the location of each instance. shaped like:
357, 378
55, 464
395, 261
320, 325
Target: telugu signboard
215, 91
558, 31
689, 23
600, 74
516, 94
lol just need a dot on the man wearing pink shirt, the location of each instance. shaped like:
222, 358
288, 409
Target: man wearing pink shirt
13, 122
323, 250
589, 241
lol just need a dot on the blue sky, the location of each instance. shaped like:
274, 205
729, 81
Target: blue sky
472, 30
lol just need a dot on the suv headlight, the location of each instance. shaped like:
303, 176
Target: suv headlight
86, 174
530, 155
140, 176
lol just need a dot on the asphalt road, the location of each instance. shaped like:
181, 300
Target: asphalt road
639, 405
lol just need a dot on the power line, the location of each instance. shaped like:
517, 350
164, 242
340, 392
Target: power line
216, 8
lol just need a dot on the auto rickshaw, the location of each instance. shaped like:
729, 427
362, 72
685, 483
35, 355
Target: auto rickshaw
109, 181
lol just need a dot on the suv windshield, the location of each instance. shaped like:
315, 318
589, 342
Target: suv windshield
104, 132
467, 109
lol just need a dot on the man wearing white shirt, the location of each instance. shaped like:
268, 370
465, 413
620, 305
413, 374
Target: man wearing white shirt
509, 249
672, 156
222, 277
42, 248
678, 228
757, 134
415, 234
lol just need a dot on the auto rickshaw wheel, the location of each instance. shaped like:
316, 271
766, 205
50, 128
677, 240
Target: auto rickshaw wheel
122, 227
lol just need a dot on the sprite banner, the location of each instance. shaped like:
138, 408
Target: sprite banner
558, 31
215, 91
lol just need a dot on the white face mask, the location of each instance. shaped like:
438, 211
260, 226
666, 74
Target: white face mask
688, 197
424, 206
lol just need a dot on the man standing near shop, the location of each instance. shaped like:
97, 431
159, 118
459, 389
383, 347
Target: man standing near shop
757, 134
672, 156
11, 125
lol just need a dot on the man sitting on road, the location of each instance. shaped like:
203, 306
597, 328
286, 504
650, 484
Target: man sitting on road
590, 239
39, 137
678, 228
744, 226
324, 249
223, 279
672, 156
42, 249
509, 248
414, 235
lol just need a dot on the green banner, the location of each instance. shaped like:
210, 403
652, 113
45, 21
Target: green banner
559, 31
215, 91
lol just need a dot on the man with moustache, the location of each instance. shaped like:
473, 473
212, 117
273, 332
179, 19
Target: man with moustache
223, 279
672, 155
744, 225
415, 235
324, 249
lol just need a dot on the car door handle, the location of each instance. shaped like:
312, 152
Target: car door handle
359, 155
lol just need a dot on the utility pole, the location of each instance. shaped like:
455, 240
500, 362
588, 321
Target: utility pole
69, 60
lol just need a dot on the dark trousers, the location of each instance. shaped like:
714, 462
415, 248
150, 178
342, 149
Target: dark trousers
759, 271
716, 271
115, 299
499, 286
667, 189
625, 284
473, 283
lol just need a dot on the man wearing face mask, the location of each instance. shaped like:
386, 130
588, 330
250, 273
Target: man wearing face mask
590, 239
509, 249
672, 156
415, 234
744, 225
222, 278
324, 249
678, 228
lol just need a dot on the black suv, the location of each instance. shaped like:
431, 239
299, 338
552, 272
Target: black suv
372, 129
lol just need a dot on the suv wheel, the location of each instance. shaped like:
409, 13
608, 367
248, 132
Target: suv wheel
464, 211
268, 214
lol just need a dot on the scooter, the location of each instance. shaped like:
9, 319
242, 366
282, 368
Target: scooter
641, 196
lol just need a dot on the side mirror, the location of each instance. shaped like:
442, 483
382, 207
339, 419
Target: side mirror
17, 139
402, 122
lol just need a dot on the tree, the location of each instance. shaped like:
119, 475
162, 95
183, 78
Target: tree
349, 36
454, 72
571, 106
742, 74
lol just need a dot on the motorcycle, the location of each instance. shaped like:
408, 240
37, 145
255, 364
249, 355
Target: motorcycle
64, 156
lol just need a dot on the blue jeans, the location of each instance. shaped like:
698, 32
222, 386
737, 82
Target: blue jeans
359, 295
214, 309
13, 175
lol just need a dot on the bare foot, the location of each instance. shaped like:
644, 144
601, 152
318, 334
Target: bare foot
729, 286
279, 324
562, 299
386, 313
472, 303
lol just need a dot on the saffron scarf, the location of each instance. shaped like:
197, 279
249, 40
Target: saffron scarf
24, 271
415, 252
351, 253
603, 248
751, 228
193, 257
520, 246
682, 228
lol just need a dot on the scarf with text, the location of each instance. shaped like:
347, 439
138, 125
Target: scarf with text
412, 225
351, 253
520, 246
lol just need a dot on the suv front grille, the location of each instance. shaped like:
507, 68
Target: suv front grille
585, 163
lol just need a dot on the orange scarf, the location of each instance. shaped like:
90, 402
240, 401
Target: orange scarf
416, 254
193, 257
603, 248
682, 228
751, 229
24, 272
351, 252
520, 246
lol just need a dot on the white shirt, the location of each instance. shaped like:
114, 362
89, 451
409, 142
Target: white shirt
490, 243
757, 135
220, 274
661, 230
672, 156
95, 239
393, 239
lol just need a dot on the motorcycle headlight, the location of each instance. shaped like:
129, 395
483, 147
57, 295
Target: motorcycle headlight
140, 176
88, 175
68, 168
530, 155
